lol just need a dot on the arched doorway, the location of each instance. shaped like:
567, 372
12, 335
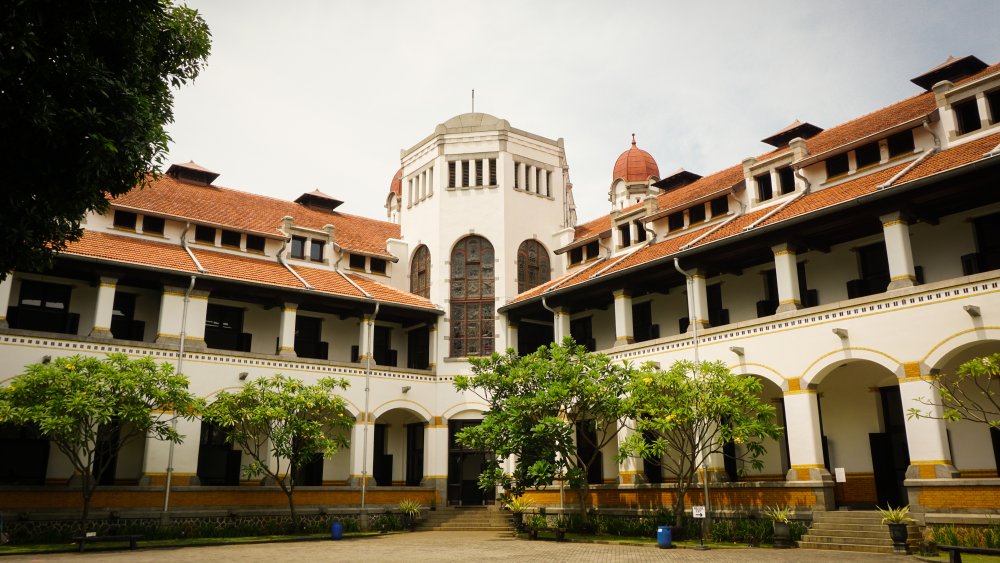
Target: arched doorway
398, 448
465, 465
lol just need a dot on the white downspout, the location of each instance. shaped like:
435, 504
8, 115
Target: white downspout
180, 370
702, 237
773, 212
368, 375
912, 165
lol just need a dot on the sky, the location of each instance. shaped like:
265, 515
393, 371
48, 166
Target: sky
302, 95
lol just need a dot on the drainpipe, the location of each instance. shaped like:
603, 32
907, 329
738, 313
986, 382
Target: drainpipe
368, 375
281, 260
912, 165
773, 212
743, 209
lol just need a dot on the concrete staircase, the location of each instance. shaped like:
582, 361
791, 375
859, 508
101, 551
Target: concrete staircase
853, 530
457, 519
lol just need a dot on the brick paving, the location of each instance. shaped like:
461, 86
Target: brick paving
446, 546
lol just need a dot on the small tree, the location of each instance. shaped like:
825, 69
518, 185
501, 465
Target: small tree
972, 393
282, 424
85, 404
689, 412
536, 404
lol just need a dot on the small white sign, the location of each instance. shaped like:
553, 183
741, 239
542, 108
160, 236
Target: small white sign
839, 474
698, 511
91, 534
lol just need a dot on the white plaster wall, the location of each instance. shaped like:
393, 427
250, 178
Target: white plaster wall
741, 293
341, 334
83, 301
851, 410
130, 460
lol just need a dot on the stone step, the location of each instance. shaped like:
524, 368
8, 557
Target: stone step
463, 529
847, 518
830, 540
845, 547
860, 528
847, 534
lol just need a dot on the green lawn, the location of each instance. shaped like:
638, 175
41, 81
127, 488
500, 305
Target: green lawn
187, 542
966, 558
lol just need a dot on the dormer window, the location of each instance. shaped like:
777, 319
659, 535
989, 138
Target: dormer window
125, 220
255, 243
640, 232
316, 250
765, 190
626, 235
836, 166
786, 180
377, 265
593, 250
720, 206
696, 214
576, 255
675, 221
356, 262
298, 247
152, 225
900, 144
867, 155
204, 234
993, 102
231, 238
967, 116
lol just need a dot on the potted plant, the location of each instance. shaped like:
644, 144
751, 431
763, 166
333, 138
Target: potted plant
780, 517
517, 507
897, 519
411, 511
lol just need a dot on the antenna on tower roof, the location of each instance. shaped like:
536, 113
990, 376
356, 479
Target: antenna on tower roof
473, 100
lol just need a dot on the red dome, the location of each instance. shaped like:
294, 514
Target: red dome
635, 165
396, 187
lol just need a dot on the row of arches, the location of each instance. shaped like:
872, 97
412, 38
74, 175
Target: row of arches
472, 288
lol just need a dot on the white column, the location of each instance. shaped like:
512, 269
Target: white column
104, 307
436, 458
430, 181
486, 171
169, 323
522, 175
698, 300
364, 340
560, 329
432, 343
472, 172
6, 288
458, 173
157, 453
532, 185
630, 469
359, 452
512, 335
286, 330
805, 441
543, 181
926, 438
787, 273
896, 230
623, 317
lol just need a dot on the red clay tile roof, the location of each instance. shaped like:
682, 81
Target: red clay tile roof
658, 250
713, 184
396, 186
635, 165
592, 228
254, 213
154, 254
570, 278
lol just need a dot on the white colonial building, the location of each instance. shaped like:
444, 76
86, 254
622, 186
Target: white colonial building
841, 267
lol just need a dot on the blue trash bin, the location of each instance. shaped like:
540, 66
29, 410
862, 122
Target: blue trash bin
664, 537
336, 531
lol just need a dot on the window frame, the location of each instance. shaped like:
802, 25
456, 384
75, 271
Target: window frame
155, 230
125, 220
252, 243
472, 293
313, 245
530, 275
297, 249
201, 232
420, 272
352, 261
222, 238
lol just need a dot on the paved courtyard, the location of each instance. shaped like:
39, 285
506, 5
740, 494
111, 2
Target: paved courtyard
446, 546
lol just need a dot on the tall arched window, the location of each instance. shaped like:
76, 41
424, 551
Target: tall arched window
473, 312
420, 272
532, 265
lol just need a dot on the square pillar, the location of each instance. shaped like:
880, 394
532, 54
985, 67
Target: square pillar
805, 441
286, 330
926, 437
512, 335
436, 458
364, 338
532, 185
896, 230
698, 300
472, 172
630, 469
786, 272
170, 323
623, 317
543, 183
432, 345
522, 176
104, 307
6, 288
359, 453
157, 453
560, 328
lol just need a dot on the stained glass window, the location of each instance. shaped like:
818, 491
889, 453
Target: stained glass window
473, 307
532, 265
420, 272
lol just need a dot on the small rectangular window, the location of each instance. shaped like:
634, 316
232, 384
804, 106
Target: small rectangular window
786, 180
204, 234
493, 171
152, 225
479, 172
548, 184
576, 255
357, 262
255, 243
465, 173
867, 155
231, 238
593, 250
675, 221
298, 247
720, 206
640, 232
316, 250
696, 214
837, 166
765, 190
993, 101
900, 144
377, 265
626, 235
967, 116
451, 175
517, 175
125, 220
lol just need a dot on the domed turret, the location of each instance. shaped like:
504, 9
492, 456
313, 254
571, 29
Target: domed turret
394, 200
633, 177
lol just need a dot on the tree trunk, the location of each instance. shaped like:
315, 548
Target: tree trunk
88, 492
582, 493
289, 491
